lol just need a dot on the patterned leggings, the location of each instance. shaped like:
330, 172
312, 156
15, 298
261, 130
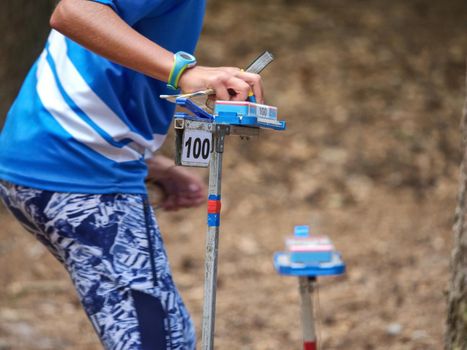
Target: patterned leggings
111, 246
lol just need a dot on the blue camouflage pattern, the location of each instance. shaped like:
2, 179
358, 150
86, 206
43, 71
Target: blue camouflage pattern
111, 246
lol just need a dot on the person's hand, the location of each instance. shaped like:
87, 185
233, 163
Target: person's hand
229, 83
182, 188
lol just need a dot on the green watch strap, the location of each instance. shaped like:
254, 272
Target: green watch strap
182, 61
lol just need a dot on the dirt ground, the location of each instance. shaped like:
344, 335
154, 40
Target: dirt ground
372, 92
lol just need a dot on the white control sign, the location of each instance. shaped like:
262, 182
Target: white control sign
196, 148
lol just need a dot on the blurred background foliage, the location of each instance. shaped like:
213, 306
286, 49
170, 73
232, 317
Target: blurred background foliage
24, 27
372, 90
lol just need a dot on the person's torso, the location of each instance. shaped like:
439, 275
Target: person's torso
84, 124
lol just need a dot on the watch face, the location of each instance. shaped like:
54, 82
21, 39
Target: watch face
186, 56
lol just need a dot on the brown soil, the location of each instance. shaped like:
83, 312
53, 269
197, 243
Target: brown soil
372, 92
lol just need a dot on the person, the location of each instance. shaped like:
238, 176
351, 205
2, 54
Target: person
80, 140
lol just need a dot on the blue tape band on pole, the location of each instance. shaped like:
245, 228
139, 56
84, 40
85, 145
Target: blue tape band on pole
214, 197
214, 220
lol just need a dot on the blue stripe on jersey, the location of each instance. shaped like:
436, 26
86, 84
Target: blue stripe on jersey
125, 91
78, 110
84, 96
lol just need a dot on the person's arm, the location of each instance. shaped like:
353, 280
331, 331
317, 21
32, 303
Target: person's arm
158, 167
99, 28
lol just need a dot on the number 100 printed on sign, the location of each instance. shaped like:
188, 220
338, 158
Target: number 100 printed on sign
196, 147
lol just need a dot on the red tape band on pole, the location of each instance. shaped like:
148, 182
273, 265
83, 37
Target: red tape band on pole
309, 345
214, 206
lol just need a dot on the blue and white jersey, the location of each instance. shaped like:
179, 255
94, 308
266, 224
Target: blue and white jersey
82, 123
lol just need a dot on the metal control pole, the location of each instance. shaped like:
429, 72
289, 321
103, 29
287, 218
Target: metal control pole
212, 238
306, 287
232, 120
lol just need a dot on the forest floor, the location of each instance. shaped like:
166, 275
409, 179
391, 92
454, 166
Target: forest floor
372, 94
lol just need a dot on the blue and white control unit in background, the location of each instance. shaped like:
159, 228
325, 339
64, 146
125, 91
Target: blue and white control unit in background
308, 256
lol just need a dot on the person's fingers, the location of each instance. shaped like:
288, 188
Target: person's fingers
185, 202
194, 188
231, 70
228, 82
240, 87
192, 195
177, 202
254, 80
218, 84
199, 200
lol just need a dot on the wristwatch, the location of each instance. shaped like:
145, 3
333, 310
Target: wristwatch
182, 61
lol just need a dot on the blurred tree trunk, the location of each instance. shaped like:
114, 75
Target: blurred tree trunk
456, 333
24, 25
